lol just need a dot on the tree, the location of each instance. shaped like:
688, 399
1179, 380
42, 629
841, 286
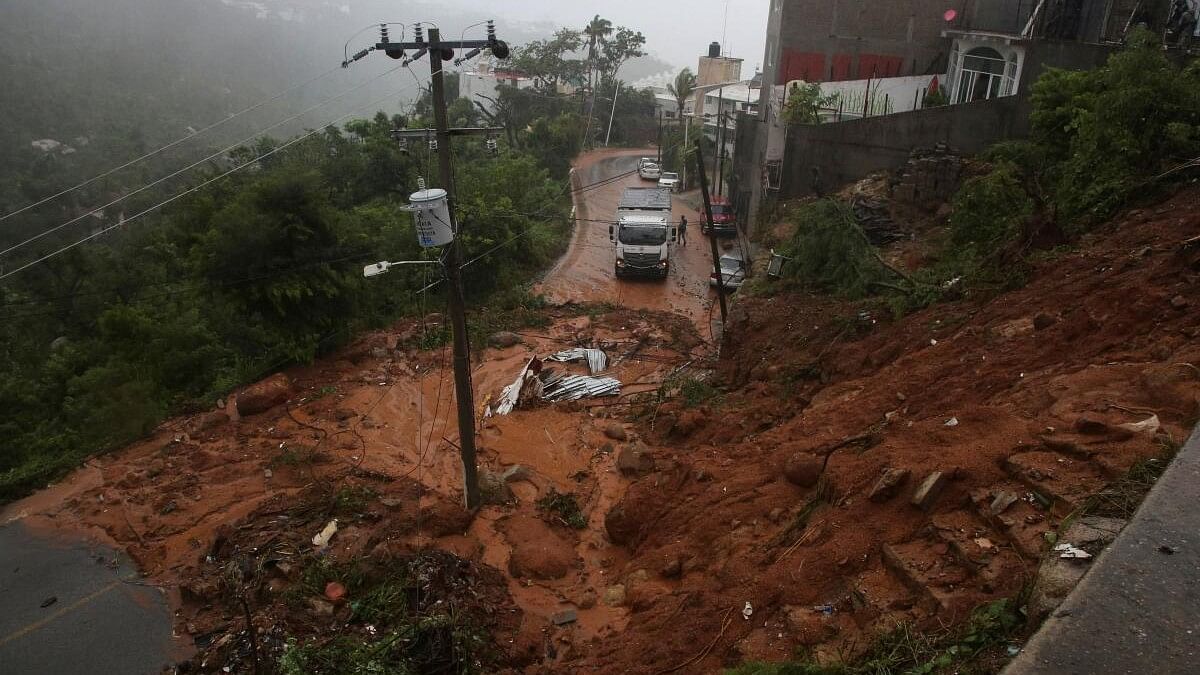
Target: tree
682, 88
597, 31
805, 102
548, 62
625, 44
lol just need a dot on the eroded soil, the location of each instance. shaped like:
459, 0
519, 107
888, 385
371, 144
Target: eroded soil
763, 490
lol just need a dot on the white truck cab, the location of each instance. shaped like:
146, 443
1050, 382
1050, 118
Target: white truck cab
644, 233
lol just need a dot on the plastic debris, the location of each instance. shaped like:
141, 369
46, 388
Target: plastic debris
985, 543
596, 359
1070, 552
335, 591
1013, 650
952, 422
49, 601
1147, 426
747, 611
321, 540
827, 610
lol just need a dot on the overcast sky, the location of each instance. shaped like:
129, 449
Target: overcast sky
677, 31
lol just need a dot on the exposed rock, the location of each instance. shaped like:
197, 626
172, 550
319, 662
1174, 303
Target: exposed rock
614, 596
504, 339
803, 469
672, 569
1056, 576
1043, 321
635, 460
1179, 302
517, 473
887, 485
616, 431
929, 489
564, 617
493, 487
587, 600
621, 525
320, 606
264, 395
444, 518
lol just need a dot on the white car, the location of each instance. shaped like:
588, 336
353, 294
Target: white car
649, 171
733, 272
670, 180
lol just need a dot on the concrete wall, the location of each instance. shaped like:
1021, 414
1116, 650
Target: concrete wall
1043, 54
848, 151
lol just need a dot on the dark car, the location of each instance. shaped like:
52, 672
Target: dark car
724, 220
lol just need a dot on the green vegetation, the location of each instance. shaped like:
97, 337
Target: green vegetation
563, 507
1099, 139
805, 102
394, 626
976, 647
263, 268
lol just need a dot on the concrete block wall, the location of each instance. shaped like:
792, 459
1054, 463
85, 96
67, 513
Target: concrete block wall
848, 151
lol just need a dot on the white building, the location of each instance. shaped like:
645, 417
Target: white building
483, 82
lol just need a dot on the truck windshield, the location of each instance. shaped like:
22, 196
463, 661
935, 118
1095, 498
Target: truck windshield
643, 235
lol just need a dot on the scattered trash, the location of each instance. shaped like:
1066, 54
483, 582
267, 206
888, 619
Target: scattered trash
510, 397
574, 387
1167, 550
321, 540
1147, 426
932, 342
1071, 552
952, 422
596, 359
747, 611
985, 543
1002, 501
371, 629
49, 601
827, 610
1013, 650
267, 474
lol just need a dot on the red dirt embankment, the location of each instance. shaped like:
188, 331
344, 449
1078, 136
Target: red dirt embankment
777, 495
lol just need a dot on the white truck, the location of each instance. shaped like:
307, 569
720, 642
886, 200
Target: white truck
644, 233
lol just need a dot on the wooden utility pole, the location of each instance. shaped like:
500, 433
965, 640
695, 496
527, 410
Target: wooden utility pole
464, 394
438, 52
712, 239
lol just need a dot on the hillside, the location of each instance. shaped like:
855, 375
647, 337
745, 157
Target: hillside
758, 490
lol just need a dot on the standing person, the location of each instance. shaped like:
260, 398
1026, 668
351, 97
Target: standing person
683, 231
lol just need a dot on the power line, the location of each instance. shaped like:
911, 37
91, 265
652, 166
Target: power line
168, 146
195, 164
190, 190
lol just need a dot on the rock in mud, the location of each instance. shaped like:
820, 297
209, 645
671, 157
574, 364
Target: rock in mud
1056, 576
538, 551
616, 431
803, 469
809, 627
929, 489
264, 395
493, 488
445, 518
321, 607
673, 569
614, 596
504, 339
888, 484
564, 617
635, 460
621, 525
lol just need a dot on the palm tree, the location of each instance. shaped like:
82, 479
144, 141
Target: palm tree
597, 31
682, 88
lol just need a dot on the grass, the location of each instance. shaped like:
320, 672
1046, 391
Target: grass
1122, 498
691, 390
389, 631
563, 507
977, 647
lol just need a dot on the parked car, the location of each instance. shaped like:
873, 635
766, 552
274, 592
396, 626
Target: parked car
733, 271
670, 180
649, 170
724, 220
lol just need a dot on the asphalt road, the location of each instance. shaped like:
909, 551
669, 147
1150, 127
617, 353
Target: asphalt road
102, 620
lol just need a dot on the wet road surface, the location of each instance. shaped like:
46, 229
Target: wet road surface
70, 606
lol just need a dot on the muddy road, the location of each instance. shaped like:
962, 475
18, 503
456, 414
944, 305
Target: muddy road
585, 273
